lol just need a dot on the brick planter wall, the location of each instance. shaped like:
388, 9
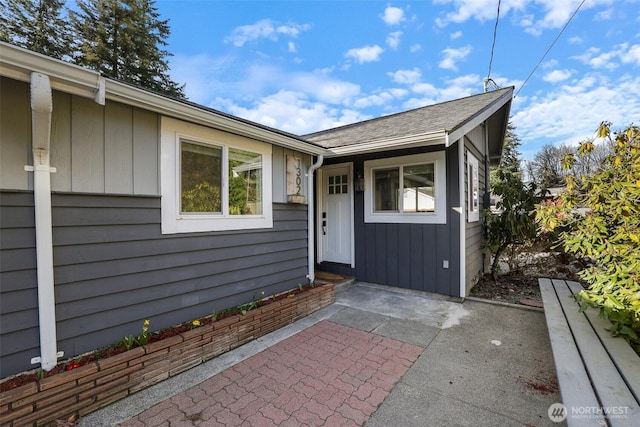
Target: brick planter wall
93, 386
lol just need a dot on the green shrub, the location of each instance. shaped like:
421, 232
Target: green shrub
601, 216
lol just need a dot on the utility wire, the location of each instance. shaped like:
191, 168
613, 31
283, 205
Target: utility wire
551, 46
493, 44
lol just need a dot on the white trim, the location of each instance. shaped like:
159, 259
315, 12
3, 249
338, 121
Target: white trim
321, 173
479, 119
473, 174
438, 158
461, 210
396, 143
172, 220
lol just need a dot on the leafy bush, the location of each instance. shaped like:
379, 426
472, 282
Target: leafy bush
601, 214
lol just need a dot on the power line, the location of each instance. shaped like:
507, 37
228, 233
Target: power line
493, 44
551, 46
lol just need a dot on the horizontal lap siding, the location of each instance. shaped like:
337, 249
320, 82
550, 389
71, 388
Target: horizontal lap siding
113, 269
474, 238
18, 282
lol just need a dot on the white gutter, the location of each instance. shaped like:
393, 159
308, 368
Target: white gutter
310, 223
396, 143
41, 108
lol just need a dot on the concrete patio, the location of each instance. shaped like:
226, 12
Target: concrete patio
379, 356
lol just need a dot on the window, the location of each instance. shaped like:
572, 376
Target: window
406, 189
212, 180
473, 189
338, 184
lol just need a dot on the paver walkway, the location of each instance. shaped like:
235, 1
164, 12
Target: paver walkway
328, 374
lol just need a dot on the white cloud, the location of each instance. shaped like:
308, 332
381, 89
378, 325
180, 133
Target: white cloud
572, 112
452, 56
424, 89
293, 112
622, 53
292, 30
393, 15
456, 35
365, 54
263, 29
534, 15
292, 47
466, 81
393, 39
481, 10
557, 76
322, 87
380, 98
415, 48
633, 55
604, 15
406, 76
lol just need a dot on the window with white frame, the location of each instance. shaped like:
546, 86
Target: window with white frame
473, 189
212, 180
407, 189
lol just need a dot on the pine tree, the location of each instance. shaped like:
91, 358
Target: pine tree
37, 25
123, 39
512, 222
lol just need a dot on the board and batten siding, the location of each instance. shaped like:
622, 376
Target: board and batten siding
476, 255
110, 149
94, 148
404, 255
113, 269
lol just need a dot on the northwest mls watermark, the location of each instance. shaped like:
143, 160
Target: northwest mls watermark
557, 412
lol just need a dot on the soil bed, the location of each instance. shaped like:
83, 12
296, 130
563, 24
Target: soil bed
115, 349
520, 285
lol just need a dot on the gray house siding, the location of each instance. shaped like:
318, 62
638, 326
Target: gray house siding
94, 148
406, 255
110, 149
476, 255
114, 269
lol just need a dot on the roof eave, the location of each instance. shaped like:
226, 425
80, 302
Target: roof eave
18, 63
479, 118
388, 144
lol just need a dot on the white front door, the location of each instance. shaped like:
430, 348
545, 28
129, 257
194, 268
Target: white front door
335, 217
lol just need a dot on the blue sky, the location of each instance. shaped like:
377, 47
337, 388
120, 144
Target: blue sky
307, 65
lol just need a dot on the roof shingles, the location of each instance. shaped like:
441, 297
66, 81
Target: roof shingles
442, 117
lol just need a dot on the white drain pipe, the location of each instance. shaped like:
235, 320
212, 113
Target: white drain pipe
41, 108
310, 223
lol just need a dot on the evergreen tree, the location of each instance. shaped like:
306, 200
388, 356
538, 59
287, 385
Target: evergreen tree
511, 224
37, 25
124, 40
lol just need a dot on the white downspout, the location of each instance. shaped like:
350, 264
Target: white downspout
310, 223
41, 108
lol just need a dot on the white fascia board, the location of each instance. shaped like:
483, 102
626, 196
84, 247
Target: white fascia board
409, 141
479, 118
18, 64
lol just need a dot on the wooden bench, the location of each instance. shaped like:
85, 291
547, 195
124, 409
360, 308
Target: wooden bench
599, 375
